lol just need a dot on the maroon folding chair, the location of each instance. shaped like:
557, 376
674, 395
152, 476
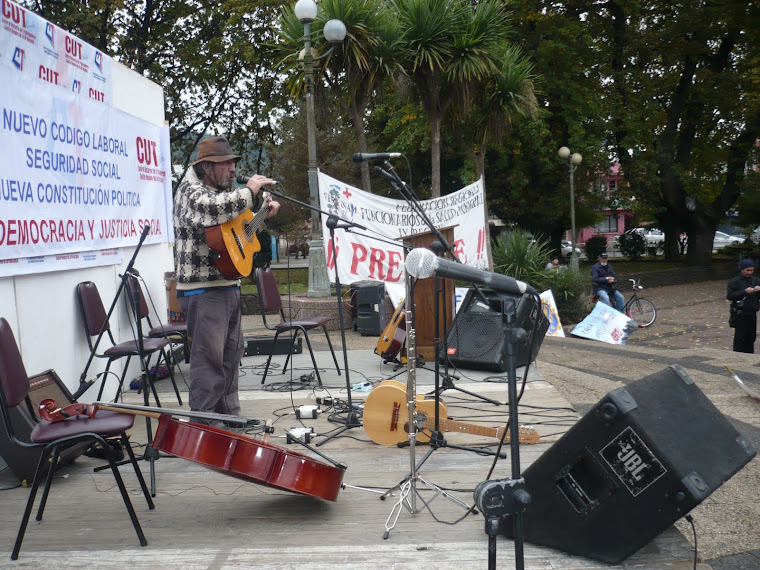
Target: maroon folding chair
173, 333
95, 322
55, 437
271, 302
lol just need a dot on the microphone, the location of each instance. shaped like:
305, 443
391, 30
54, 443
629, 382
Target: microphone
384, 173
422, 263
84, 385
243, 179
365, 156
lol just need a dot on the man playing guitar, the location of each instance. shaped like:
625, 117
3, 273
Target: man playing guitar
211, 301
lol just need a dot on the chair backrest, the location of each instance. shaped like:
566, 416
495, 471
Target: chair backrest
135, 293
14, 380
93, 313
269, 294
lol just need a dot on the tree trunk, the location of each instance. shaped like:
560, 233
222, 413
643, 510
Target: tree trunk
357, 115
699, 250
435, 155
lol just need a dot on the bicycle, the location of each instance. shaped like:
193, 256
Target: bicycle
639, 309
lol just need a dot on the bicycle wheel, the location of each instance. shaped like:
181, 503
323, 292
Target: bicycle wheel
642, 311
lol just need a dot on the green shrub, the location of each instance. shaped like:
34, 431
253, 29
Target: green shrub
633, 246
595, 246
516, 255
571, 291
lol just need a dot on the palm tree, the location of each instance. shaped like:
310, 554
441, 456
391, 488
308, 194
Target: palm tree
448, 47
358, 65
362, 62
502, 101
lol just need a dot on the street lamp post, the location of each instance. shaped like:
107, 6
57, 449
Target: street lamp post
334, 32
573, 160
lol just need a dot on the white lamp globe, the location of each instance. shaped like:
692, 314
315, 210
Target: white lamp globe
306, 11
334, 31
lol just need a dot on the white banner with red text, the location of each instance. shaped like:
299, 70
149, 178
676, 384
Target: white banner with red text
76, 176
377, 252
33, 47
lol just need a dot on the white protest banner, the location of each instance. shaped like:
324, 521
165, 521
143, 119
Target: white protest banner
76, 176
368, 255
606, 324
35, 48
549, 307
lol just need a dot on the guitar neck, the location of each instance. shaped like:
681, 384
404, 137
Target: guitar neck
462, 427
257, 221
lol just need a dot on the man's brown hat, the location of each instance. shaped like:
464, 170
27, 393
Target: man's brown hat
215, 149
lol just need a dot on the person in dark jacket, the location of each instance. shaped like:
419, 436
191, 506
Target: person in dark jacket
603, 279
743, 291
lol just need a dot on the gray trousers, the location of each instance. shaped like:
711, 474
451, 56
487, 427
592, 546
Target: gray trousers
214, 324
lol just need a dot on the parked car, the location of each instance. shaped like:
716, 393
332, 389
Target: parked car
722, 239
652, 237
567, 249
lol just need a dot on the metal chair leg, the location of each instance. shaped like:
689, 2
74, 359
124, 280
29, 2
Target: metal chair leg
269, 360
311, 353
292, 344
335, 359
138, 471
48, 481
124, 495
29, 505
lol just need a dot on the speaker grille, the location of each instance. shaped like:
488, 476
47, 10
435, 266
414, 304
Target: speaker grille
476, 335
476, 339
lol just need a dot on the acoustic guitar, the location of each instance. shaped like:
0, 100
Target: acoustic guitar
386, 418
394, 335
234, 243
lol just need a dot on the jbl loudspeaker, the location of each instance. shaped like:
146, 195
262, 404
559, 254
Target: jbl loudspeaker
368, 308
642, 458
23, 461
477, 340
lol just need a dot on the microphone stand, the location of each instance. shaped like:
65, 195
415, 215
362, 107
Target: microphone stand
443, 246
407, 487
335, 222
352, 419
83, 384
498, 499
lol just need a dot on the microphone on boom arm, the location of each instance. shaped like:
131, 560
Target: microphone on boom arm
365, 156
422, 263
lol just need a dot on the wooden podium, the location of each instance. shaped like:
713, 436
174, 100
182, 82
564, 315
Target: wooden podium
424, 299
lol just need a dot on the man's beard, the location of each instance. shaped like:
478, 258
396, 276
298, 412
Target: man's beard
224, 184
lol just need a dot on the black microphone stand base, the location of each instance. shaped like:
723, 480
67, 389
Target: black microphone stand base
352, 421
448, 384
438, 441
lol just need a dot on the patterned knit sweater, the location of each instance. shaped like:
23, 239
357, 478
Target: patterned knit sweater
196, 207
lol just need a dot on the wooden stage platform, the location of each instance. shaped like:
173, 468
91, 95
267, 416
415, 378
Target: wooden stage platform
208, 520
